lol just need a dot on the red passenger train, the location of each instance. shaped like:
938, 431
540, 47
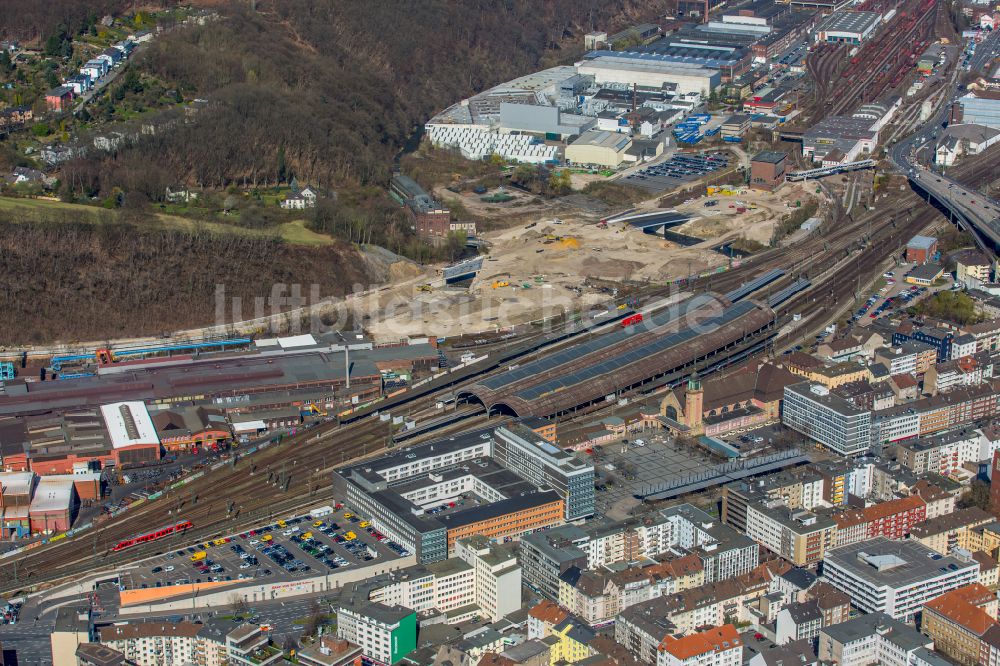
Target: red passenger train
154, 535
631, 320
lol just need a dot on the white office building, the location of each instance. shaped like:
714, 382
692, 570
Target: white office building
831, 420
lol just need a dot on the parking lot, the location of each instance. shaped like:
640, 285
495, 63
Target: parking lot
681, 168
890, 299
289, 549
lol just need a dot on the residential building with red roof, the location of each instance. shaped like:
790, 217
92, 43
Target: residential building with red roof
958, 620
718, 646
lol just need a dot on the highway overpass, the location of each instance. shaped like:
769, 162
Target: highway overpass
973, 212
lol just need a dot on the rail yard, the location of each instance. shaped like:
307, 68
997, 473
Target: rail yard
722, 309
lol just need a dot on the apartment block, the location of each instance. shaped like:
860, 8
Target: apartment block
958, 621
956, 529
895, 577
875, 638
718, 646
385, 633
799, 536
943, 454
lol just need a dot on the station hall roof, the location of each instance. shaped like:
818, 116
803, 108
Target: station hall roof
608, 363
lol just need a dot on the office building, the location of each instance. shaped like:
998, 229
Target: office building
529, 455
831, 420
413, 495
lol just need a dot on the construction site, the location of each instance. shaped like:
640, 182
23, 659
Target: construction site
553, 265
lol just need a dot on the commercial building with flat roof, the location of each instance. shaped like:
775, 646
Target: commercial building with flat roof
54, 504
981, 107
895, 577
648, 70
831, 420
528, 454
513, 482
875, 638
852, 137
599, 147
848, 27
385, 633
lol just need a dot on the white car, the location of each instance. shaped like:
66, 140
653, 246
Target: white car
168, 568
245, 565
639, 442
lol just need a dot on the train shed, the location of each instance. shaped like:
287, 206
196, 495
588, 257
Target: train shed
708, 331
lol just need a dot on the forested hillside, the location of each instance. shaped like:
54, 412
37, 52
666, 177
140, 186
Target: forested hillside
329, 90
37, 20
64, 280
324, 92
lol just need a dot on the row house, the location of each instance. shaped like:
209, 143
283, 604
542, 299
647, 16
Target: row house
943, 454
599, 595
954, 530
986, 334
958, 620
934, 414
963, 371
893, 519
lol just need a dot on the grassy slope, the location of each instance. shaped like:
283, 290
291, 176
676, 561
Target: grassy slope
295, 232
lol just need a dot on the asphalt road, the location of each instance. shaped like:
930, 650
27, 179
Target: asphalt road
904, 154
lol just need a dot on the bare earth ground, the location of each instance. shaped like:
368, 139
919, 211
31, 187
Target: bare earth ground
564, 255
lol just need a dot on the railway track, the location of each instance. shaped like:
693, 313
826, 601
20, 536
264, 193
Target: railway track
278, 480
876, 77
294, 474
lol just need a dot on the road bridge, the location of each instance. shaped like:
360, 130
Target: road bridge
972, 211
657, 221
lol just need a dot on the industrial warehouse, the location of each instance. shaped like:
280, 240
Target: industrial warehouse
133, 412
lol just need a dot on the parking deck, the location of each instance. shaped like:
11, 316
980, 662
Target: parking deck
291, 549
